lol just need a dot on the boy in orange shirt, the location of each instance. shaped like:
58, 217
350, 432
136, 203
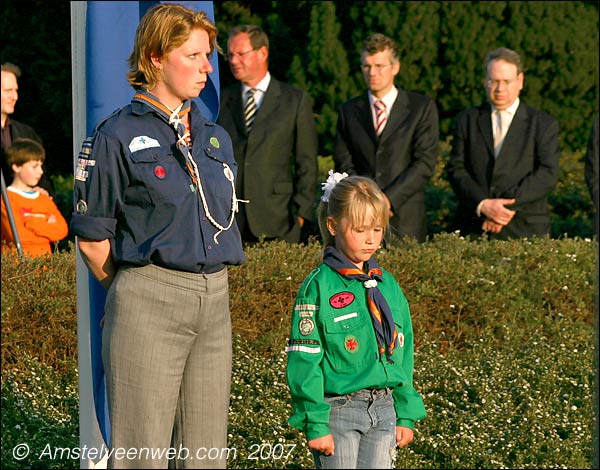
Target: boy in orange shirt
37, 218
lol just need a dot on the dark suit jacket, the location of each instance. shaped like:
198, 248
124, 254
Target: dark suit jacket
526, 169
591, 169
277, 161
20, 130
401, 161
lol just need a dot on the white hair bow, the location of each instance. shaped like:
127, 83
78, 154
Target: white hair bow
332, 180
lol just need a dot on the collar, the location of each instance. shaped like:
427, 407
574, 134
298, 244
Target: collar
388, 99
512, 109
260, 86
26, 194
159, 107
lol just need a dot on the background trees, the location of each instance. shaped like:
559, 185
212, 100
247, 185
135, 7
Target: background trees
316, 46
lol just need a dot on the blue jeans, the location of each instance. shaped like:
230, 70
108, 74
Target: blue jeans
363, 425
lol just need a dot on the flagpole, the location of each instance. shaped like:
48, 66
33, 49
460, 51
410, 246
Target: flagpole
11, 217
90, 436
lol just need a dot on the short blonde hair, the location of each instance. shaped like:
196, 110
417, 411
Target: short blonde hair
163, 28
357, 199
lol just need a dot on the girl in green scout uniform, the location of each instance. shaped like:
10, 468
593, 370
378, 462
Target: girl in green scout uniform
350, 352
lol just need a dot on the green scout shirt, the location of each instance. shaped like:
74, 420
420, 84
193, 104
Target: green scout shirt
333, 350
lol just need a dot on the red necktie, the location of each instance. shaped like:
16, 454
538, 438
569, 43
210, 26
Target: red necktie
381, 117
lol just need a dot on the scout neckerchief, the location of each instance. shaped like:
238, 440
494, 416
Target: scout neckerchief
381, 315
174, 118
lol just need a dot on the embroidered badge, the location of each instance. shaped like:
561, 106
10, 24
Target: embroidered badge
306, 314
84, 160
312, 342
160, 172
351, 344
306, 326
341, 299
81, 207
401, 339
214, 142
142, 142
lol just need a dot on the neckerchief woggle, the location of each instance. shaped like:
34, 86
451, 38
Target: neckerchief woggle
381, 314
175, 119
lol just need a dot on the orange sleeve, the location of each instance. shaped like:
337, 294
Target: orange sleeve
38, 221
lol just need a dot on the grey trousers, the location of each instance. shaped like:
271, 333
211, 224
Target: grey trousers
166, 349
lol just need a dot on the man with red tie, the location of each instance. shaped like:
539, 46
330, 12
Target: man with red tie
390, 135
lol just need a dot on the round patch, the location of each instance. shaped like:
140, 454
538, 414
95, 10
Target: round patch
351, 344
306, 326
214, 142
160, 172
341, 299
81, 207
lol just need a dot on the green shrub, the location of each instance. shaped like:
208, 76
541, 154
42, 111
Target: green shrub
504, 353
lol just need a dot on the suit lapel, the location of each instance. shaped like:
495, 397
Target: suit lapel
269, 105
396, 117
517, 129
364, 116
237, 104
484, 122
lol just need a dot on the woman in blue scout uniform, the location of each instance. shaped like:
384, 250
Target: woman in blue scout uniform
350, 353
154, 212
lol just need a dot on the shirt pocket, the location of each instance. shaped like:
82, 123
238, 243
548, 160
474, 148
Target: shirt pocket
349, 340
161, 174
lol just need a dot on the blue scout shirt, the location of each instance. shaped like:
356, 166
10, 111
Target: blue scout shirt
333, 350
132, 186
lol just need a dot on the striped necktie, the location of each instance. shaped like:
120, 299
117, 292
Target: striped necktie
250, 109
381, 117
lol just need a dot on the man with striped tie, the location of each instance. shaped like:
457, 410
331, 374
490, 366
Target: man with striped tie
391, 136
274, 141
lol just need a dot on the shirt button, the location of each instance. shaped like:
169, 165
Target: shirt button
209, 247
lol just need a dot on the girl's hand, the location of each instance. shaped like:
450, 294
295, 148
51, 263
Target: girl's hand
323, 444
404, 436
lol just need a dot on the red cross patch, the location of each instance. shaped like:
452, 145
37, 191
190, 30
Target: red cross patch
351, 344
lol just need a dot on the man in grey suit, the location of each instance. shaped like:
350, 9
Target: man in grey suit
504, 158
274, 141
391, 136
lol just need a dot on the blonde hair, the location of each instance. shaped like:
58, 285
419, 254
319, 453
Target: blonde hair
357, 199
163, 28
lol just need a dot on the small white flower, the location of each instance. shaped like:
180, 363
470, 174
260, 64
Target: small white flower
332, 180
370, 283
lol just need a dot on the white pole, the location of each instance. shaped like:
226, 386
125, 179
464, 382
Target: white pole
90, 437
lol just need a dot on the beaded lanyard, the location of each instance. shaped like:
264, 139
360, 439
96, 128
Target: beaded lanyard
183, 144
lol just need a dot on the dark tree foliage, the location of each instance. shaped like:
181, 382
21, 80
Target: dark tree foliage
36, 37
316, 46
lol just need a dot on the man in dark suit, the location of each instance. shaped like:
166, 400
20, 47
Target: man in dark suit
12, 129
504, 158
391, 136
274, 141
591, 170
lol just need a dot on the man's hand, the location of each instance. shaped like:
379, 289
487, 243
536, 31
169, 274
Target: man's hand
322, 444
491, 226
39, 189
495, 210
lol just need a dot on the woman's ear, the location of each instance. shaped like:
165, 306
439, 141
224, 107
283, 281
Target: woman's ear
331, 226
156, 61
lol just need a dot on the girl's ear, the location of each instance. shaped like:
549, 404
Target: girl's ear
331, 225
